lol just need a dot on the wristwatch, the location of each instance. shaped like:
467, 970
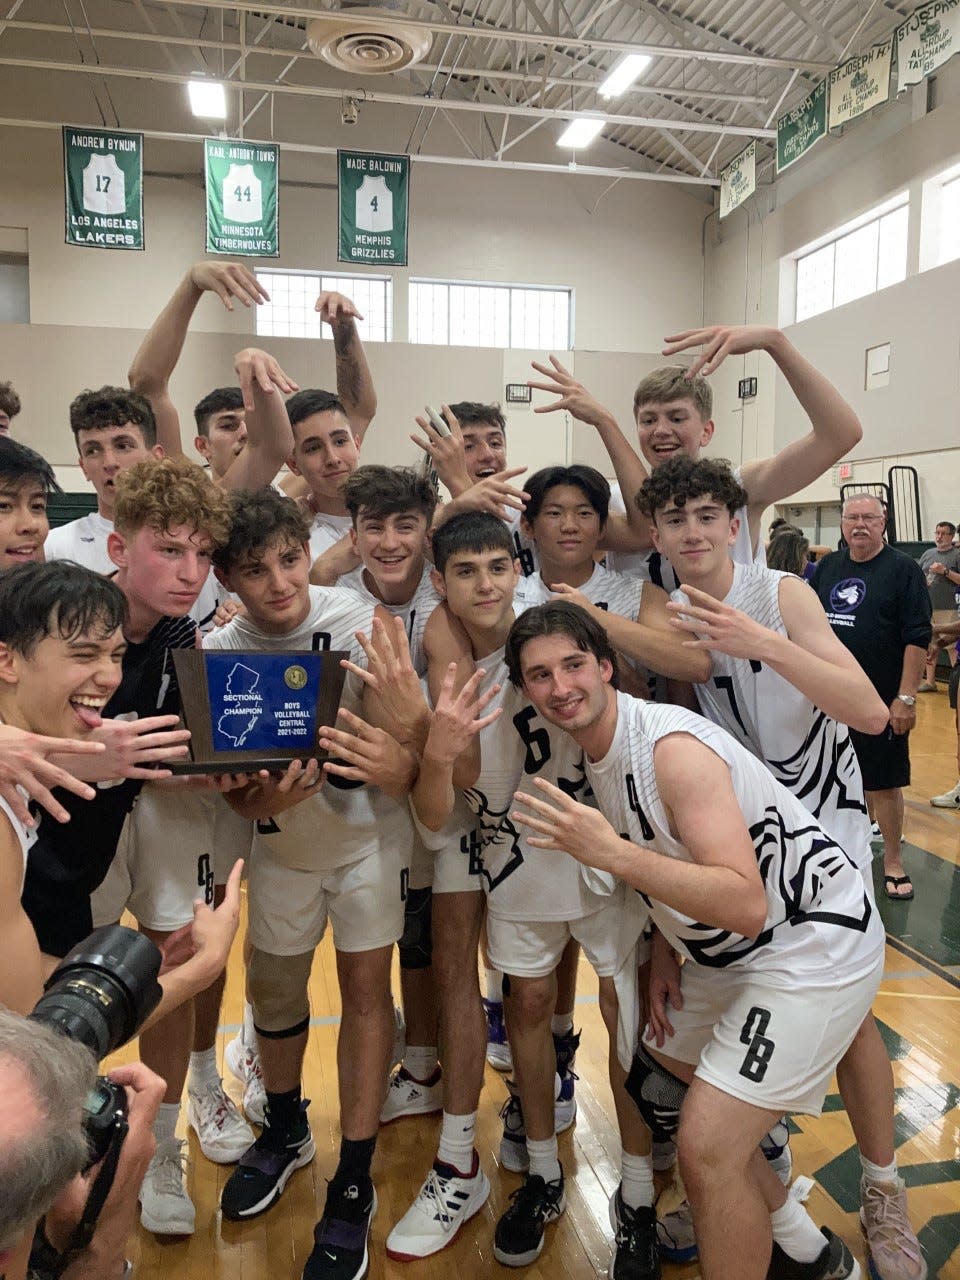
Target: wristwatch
907, 698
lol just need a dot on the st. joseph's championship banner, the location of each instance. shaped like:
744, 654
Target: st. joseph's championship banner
928, 39
374, 203
800, 128
103, 188
860, 83
243, 213
738, 180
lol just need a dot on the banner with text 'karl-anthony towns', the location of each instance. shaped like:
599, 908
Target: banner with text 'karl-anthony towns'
243, 204
374, 202
103, 188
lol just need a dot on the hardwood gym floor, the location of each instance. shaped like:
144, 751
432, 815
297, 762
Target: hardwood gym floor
917, 1007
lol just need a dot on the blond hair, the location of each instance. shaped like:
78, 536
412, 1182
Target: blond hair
166, 493
671, 383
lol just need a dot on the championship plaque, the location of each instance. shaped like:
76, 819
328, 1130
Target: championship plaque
253, 710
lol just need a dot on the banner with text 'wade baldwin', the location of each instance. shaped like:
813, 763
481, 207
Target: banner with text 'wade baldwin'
103, 188
929, 38
243, 201
374, 198
860, 84
738, 180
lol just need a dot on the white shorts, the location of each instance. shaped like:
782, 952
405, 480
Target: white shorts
174, 848
768, 1045
288, 909
448, 860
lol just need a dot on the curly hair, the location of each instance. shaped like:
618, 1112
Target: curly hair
680, 479
112, 407
471, 413
163, 494
671, 383
258, 518
9, 400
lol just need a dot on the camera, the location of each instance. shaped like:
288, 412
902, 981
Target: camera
100, 995
349, 111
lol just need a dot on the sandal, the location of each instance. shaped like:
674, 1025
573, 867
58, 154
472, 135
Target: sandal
891, 886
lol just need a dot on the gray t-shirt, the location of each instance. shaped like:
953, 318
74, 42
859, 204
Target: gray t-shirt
943, 592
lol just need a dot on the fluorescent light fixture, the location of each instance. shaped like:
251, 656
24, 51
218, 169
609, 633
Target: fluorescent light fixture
581, 131
207, 99
623, 74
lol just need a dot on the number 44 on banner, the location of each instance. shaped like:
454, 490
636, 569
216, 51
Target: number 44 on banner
242, 180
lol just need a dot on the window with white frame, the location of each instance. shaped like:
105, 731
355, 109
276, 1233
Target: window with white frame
858, 259
460, 314
290, 312
949, 246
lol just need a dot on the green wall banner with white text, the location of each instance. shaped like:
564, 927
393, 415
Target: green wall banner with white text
243, 203
374, 204
103, 188
800, 128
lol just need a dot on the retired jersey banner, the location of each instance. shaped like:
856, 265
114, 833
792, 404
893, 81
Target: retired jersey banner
738, 180
374, 204
860, 84
800, 128
928, 39
103, 188
243, 203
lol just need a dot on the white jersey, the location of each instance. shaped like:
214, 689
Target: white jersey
242, 195
807, 752
85, 542
325, 530
617, 593
345, 821
26, 836
374, 205
104, 185
819, 917
523, 882
524, 549
414, 613
657, 569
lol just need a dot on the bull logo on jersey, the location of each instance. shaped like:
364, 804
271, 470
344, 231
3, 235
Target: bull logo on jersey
848, 595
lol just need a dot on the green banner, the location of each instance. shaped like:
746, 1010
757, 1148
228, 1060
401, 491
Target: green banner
800, 128
738, 180
860, 84
243, 204
103, 188
928, 39
374, 204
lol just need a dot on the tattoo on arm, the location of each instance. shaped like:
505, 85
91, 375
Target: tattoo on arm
348, 375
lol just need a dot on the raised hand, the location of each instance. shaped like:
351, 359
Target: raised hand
561, 823
24, 763
257, 369
369, 755
458, 717
389, 674
229, 280
445, 452
335, 308
132, 745
711, 624
718, 342
574, 397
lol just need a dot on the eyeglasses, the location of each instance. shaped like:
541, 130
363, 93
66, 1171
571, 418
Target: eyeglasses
863, 519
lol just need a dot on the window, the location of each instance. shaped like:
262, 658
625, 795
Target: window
861, 258
290, 313
949, 247
459, 314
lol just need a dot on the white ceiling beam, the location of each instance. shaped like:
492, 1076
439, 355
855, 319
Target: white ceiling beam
572, 169
800, 12
392, 99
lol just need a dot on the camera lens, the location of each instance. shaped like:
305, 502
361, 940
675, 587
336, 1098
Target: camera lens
101, 993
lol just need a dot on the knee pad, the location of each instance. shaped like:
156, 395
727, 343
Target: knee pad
278, 992
416, 945
657, 1093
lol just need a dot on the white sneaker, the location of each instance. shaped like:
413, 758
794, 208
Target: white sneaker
165, 1207
244, 1063
409, 1097
949, 799
895, 1252
444, 1203
223, 1133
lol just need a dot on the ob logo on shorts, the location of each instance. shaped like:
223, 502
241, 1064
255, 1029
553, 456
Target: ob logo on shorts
848, 595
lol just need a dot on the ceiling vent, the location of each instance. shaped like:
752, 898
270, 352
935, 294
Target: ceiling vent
367, 41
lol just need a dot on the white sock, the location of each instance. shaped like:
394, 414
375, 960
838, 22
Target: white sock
796, 1233
420, 1061
204, 1073
456, 1141
544, 1159
494, 980
636, 1180
878, 1172
247, 1034
168, 1117
561, 1023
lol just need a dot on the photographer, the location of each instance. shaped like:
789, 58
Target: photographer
45, 1081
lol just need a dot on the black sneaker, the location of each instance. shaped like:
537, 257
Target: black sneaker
518, 1238
265, 1168
637, 1255
835, 1262
340, 1237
